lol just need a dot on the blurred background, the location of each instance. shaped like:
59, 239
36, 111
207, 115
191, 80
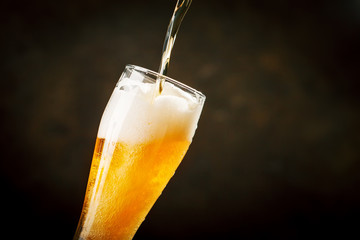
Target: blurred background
276, 153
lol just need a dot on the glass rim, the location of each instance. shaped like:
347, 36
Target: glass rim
167, 79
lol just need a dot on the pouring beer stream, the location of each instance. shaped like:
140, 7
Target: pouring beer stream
181, 8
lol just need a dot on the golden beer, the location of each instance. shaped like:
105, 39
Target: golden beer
141, 141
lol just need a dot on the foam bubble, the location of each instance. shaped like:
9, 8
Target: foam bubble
135, 114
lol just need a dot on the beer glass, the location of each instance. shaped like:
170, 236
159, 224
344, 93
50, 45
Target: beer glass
142, 138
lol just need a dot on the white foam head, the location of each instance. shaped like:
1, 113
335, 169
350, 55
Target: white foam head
135, 114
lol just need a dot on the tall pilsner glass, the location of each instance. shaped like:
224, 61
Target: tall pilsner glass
142, 138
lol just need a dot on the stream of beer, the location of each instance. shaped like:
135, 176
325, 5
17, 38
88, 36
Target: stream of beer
180, 10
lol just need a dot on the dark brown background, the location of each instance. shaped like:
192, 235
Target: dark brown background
276, 153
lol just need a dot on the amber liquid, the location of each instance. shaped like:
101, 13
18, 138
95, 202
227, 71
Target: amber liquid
124, 184
181, 8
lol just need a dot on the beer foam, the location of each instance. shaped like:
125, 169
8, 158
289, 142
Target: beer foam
135, 113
